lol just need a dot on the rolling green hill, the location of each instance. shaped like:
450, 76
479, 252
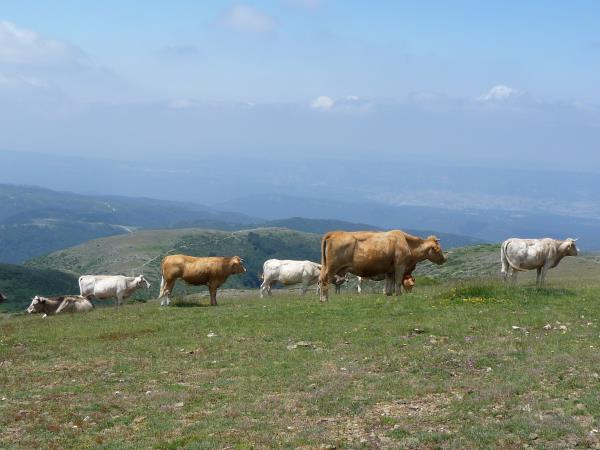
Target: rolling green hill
36, 221
142, 251
20, 284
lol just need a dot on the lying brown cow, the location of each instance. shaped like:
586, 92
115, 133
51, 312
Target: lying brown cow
211, 271
55, 305
371, 253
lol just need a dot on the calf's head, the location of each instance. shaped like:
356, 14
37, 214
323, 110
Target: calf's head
434, 251
408, 282
37, 304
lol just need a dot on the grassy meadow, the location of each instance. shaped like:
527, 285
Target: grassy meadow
470, 365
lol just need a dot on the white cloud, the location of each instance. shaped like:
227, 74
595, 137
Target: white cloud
248, 20
322, 102
350, 103
22, 46
499, 93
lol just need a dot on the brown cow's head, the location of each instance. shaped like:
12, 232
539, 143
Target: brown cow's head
434, 251
408, 282
237, 265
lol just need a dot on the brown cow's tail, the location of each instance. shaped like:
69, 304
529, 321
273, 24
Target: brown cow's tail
163, 284
324, 251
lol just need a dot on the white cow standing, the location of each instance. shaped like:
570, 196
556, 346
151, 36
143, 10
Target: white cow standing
108, 286
289, 272
520, 255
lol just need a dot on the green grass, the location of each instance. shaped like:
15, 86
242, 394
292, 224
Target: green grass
440, 368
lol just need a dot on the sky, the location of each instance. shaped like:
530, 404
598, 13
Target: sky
503, 84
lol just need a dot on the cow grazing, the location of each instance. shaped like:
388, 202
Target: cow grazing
111, 286
56, 305
289, 272
520, 255
211, 271
371, 253
407, 282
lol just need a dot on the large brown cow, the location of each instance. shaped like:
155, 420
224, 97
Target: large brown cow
371, 253
211, 271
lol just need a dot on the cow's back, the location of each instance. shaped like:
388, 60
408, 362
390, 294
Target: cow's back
523, 254
194, 270
106, 286
365, 253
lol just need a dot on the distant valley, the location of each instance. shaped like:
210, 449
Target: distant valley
36, 221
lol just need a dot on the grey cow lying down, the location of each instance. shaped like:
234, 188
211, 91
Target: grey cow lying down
56, 305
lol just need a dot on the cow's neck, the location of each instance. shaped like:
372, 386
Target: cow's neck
418, 250
560, 252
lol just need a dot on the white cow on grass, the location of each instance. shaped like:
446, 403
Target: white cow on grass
109, 286
288, 272
520, 255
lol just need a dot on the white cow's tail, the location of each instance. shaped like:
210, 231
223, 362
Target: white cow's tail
504, 259
80, 281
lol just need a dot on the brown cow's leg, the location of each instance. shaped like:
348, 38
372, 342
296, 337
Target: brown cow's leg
212, 289
399, 277
388, 289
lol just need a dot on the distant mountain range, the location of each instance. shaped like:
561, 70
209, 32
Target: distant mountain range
491, 225
36, 221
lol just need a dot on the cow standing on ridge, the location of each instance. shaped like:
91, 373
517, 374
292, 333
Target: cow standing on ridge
371, 253
212, 271
520, 255
289, 272
109, 286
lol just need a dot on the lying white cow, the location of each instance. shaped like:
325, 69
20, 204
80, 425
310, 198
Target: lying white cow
288, 272
520, 255
56, 305
108, 286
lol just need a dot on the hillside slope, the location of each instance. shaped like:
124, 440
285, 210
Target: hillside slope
35, 221
20, 283
142, 251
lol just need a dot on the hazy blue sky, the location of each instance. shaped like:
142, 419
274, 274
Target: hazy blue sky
505, 83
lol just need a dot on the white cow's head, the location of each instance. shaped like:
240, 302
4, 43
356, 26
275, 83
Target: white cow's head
37, 304
142, 282
569, 246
